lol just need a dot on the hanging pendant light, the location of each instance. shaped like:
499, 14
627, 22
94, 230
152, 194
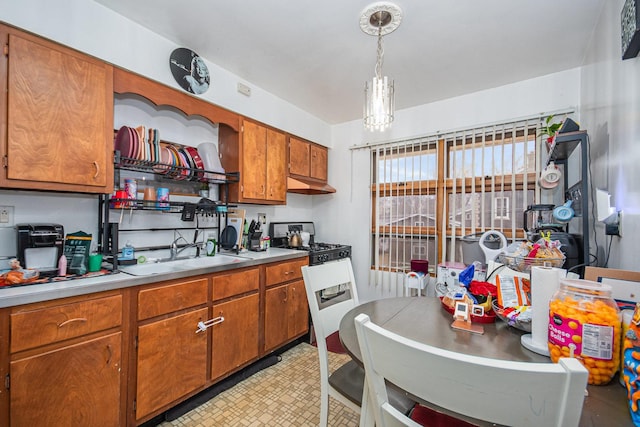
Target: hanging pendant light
379, 19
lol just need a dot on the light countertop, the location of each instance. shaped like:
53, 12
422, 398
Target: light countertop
18, 295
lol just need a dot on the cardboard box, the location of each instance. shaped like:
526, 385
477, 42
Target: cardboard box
625, 284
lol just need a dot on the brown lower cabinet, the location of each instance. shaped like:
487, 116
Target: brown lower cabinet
235, 336
66, 363
121, 358
286, 311
78, 383
172, 361
235, 340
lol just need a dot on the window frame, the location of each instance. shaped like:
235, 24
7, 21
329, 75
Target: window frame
444, 185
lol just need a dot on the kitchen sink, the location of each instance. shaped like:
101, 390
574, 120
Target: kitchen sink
151, 268
208, 261
172, 266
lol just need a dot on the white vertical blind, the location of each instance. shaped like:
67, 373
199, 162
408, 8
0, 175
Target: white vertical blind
488, 184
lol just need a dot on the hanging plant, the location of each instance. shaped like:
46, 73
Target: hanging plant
549, 129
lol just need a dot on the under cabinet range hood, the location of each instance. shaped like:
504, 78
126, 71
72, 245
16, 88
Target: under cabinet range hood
308, 186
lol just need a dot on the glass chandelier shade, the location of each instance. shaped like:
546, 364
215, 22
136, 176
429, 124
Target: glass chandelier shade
379, 19
378, 97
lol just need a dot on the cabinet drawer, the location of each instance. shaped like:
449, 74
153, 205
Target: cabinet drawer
38, 327
285, 271
172, 297
227, 285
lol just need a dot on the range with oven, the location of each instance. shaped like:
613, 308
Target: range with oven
319, 253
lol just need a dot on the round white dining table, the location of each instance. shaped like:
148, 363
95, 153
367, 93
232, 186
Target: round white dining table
425, 320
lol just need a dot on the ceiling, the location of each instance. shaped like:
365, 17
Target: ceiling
314, 55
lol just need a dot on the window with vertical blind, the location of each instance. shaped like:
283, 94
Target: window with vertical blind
428, 193
404, 203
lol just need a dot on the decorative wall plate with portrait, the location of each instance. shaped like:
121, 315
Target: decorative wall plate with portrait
189, 70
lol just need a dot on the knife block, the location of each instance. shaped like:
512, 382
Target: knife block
254, 242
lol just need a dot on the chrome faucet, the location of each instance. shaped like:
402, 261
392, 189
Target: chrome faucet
174, 250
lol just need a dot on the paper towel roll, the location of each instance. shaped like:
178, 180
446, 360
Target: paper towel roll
544, 283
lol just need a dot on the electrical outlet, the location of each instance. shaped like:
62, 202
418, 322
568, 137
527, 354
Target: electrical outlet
6, 216
614, 229
262, 218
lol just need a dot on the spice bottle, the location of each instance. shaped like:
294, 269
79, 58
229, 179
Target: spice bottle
62, 265
585, 323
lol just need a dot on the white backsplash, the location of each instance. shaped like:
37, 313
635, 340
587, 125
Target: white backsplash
79, 212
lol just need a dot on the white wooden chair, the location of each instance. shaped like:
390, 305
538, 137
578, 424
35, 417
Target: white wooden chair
345, 384
499, 391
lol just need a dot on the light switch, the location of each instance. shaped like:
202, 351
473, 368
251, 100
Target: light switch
6, 216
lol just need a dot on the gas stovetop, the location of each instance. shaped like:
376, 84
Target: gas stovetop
318, 252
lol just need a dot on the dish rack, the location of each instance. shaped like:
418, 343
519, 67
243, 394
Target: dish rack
523, 264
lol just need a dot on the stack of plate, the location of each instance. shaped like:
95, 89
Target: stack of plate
133, 143
178, 162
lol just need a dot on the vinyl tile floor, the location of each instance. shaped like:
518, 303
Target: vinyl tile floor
286, 394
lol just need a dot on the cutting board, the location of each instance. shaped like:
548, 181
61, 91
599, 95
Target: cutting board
235, 218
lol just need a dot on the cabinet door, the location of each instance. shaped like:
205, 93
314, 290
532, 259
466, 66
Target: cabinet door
235, 340
59, 118
319, 162
254, 161
172, 361
298, 321
78, 385
276, 166
299, 157
275, 317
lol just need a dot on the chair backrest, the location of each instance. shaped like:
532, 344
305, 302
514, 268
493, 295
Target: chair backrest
332, 278
499, 391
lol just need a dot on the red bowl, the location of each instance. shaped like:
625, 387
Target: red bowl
197, 160
489, 317
420, 265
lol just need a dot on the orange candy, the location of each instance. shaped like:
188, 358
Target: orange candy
593, 312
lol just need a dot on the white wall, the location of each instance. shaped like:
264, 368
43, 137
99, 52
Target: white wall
610, 110
96, 30
345, 218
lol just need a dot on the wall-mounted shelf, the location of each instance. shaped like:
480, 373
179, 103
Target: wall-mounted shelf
167, 174
564, 144
173, 172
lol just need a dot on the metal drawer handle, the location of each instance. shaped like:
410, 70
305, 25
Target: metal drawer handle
202, 326
97, 169
77, 319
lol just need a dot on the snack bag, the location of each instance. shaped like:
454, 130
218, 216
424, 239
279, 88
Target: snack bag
77, 247
631, 365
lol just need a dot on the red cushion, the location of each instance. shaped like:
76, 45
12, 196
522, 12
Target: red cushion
333, 343
431, 418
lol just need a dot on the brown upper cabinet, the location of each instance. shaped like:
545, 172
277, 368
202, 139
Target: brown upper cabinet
56, 116
307, 159
259, 153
